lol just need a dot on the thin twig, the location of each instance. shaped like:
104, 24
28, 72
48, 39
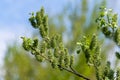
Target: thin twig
74, 72
72, 68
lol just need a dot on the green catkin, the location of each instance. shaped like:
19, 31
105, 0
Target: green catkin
114, 18
45, 22
38, 18
87, 55
27, 43
61, 46
58, 38
117, 37
43, 47
42, 12
53, 42
93, 42
42, 32
67, 61
54, 64
108, 72
71, 60
50, 55
35, 44
56, 52
48, 43
61, 60
39, 58
97, 58
67, 58
41, 22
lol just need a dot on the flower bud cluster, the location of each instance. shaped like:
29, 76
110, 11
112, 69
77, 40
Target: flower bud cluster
90, 49
108, 24
92, 52
108, 73
29, 44
40, 21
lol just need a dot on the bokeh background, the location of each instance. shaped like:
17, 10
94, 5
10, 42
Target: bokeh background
71, 18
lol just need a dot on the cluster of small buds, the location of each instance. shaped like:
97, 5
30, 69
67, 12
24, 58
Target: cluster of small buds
108, 73
92, 51
40, 21
29, 44
108, 23
88, 47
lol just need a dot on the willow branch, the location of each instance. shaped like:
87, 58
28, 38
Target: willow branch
71, 71
74, 72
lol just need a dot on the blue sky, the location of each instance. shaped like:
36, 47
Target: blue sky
14, 16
